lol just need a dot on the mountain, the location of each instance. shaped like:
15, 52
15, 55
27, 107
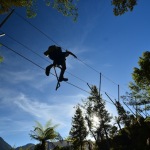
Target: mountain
29, 146
50, 145
4, 145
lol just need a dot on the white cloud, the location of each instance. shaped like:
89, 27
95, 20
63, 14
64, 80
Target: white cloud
59, 112
17, 76
10, 125
37, 80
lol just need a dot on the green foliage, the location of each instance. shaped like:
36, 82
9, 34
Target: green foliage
66, 7
140, 89
20, 148
122, 6
113, 131
137, 132
123, 117
132, 137
147, 119
37, 147
61, 148
1, 59
78, 131
7, 4
141, 75
43, 133
57, 148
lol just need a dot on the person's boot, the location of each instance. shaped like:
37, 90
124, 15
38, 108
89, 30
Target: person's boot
63, 79
47, 70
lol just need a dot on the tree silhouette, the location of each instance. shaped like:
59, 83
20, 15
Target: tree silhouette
44, 133
123, 117
140, 89
78, 131
95, 107
66, 7
122, 6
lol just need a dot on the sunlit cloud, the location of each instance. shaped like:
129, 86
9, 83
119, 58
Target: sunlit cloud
58, 112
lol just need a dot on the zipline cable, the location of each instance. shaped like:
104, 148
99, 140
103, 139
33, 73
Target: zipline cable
40, 55
36, 28
63, 48
44, 69
40, 66
88, 65
47, 60
23, 56
24, 46
60, 46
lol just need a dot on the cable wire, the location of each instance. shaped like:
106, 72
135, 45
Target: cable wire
44, 69
40, 66
47, 60
63, 48
88, 65
25, 46
23, 56
39, 55
60, 46
36, 28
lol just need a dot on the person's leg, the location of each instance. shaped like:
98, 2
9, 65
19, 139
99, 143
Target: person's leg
61, 77
48, 68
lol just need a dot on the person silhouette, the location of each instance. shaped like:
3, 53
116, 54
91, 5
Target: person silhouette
59, 59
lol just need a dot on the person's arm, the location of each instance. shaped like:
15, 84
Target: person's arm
70, 53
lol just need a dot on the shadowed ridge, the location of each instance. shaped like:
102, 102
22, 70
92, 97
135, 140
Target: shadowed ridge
4, 145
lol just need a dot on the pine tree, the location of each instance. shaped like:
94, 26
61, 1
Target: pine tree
78, 131
95, 107
123, 116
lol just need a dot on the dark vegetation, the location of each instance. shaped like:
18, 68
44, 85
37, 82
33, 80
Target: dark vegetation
130, 130
66, 7
4, 145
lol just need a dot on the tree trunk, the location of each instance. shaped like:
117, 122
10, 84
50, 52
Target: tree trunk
43, 147
107, 138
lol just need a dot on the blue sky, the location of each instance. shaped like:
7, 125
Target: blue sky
111, 45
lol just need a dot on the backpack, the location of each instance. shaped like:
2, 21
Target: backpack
53, 52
